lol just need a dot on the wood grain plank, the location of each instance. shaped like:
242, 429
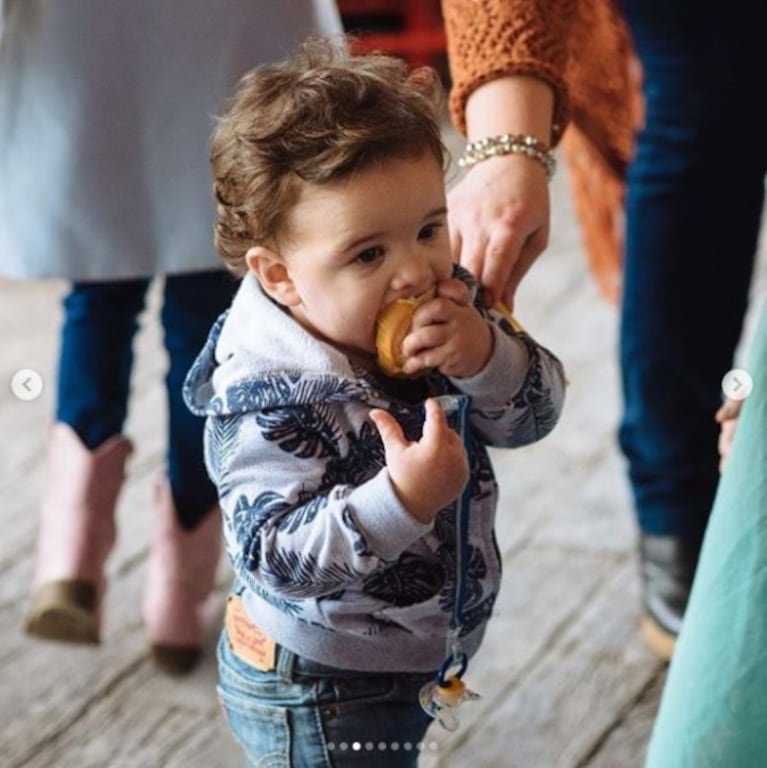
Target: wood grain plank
626, 744
588, 678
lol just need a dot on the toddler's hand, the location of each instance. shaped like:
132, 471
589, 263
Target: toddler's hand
727, 417
428, 474
449, 334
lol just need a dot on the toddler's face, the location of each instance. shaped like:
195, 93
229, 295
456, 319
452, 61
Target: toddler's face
357, 245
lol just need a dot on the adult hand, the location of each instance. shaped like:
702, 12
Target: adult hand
727, 418
498, 216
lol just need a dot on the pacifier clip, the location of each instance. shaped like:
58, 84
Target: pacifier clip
441, 697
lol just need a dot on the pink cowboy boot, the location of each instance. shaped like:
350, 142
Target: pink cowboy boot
77, 532
179, 599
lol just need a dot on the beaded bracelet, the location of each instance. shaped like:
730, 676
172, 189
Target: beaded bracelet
509, 144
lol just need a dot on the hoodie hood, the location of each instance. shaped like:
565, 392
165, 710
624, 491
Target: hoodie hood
257, 356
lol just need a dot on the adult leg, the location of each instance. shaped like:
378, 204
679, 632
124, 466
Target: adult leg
186, 541
191, 305
86, 459
694, 197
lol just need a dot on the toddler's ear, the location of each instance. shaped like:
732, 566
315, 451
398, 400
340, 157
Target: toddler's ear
272, 273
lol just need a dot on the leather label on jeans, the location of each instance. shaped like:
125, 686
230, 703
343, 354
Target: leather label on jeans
248, 642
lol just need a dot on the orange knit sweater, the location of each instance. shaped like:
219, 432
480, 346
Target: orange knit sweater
582, 49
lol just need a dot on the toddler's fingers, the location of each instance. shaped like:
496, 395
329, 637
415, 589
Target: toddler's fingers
435, 425
388, 427
455, 290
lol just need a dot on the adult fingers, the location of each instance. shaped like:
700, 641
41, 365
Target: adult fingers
503, 253
529, 252
730, 409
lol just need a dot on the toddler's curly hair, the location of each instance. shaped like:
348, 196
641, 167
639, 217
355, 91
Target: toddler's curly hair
318, 117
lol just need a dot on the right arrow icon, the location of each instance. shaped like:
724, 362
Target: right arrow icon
737, 384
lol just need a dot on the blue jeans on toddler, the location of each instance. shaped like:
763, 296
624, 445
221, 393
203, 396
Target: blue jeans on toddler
302, 714
96, 359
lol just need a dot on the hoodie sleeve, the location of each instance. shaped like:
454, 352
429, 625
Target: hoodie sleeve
517, 397
294, 523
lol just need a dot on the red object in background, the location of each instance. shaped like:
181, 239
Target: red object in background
412, 29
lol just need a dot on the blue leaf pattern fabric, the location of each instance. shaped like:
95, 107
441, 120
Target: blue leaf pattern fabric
303, 431
329, 558
300, 575
224, 434
410, 579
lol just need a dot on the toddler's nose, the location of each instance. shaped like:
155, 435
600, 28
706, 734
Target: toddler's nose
415, 276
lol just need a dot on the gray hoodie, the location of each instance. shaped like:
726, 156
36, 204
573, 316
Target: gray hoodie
334, 568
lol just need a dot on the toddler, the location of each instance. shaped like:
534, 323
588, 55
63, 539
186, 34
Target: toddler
358, 507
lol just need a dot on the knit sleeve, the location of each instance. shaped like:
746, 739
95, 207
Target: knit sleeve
491, 38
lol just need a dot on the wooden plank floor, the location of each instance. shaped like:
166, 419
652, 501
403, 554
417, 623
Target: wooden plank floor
564, 678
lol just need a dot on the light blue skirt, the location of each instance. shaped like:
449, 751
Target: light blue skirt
106, 111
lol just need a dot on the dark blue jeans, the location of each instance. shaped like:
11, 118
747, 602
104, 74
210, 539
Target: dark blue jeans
96, 358
694, 197
307, 715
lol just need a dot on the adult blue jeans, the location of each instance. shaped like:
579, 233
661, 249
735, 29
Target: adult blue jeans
307, 715
694, 196
96, 359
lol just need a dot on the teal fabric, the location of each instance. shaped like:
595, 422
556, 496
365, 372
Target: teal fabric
713, 712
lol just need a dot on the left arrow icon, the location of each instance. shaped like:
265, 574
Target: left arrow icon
27, 384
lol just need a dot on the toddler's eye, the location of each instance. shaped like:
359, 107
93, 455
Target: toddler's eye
429, 232
369, 255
